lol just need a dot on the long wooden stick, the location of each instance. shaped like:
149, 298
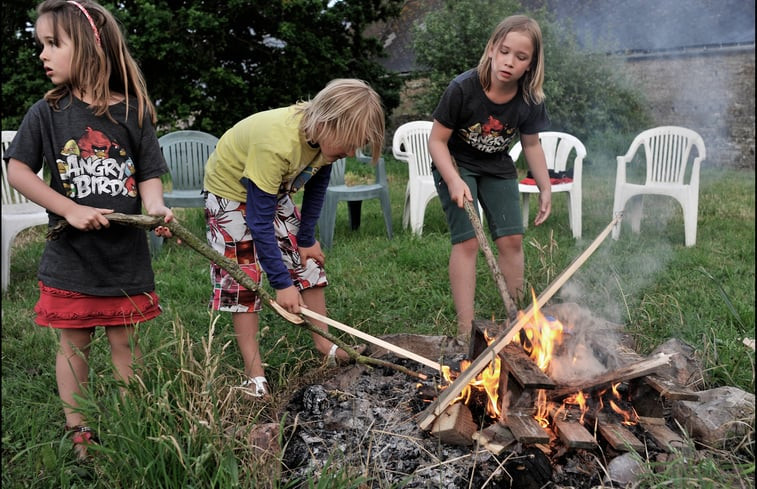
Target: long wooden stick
483, 243
455, 388
180, 232
376, 341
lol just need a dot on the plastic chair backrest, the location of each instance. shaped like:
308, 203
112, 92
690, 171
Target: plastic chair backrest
410, 143
338, 168
186, 153
11, 195
557, 147
667, 153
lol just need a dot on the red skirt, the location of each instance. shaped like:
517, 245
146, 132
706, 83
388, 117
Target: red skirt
65, 309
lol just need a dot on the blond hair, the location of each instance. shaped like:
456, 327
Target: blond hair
347, 112
101, 65
532, 80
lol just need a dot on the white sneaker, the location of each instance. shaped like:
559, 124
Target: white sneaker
255, 386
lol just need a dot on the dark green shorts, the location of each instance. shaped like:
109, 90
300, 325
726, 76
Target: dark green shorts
499, 198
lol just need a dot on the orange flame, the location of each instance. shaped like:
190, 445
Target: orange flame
542, 409
487, 381
543, 335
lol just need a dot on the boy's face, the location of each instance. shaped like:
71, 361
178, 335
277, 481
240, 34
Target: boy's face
332, 152
56, 52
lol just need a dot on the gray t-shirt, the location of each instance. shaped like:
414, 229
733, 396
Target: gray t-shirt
482, 130
98, 163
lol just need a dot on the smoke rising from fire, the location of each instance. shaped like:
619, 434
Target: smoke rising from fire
584, 335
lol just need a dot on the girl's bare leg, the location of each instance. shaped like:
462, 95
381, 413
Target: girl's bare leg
511, 263
72, 370
462, 279
124, 350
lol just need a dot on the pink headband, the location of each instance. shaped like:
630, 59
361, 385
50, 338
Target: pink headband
89, 18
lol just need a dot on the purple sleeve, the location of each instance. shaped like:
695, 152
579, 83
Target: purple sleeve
312, 202
261, 210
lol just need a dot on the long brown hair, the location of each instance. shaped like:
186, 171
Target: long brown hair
532, 81
101, 65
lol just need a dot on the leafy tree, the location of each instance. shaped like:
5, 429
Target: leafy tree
211, 63
585, 95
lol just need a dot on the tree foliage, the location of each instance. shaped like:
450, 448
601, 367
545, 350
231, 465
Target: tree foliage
211, 63
585, 95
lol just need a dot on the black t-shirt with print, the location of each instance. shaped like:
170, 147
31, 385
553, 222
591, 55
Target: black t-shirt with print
482, 130
98, 163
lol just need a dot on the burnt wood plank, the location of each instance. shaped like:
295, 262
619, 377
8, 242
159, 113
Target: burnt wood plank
574, 435
478, 339
618, 436
667, 387
627, 372
523, 369
665, 438
494, 438
526, 429
455, 426
670, 389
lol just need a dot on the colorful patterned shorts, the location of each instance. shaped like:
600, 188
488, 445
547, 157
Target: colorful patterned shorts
228, 234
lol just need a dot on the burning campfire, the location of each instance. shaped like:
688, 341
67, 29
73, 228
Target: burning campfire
531, 403
540, 339
372, 418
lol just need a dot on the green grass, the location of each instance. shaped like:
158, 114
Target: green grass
180, 425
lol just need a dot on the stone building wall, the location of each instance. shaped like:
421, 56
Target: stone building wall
708, 90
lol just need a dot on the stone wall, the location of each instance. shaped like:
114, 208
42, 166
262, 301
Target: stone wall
708, 90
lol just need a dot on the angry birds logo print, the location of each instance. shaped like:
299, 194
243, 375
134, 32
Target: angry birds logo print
491, 137
96, 165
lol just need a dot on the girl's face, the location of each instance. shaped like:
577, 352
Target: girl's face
56, 53
512, 58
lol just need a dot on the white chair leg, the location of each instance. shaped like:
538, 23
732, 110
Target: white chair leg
617, 208
6, 260
524, 197
406, 210
416, 219
690, 214
155, 242
574, 213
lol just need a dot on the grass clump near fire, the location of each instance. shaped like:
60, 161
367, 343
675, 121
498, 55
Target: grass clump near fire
182, 424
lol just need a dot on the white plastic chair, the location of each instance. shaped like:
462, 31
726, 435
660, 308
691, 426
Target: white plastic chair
410, 144
558, 149
668, 162
18, 213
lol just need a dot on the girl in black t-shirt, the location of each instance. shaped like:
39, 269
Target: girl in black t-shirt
480, 114
95, 131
